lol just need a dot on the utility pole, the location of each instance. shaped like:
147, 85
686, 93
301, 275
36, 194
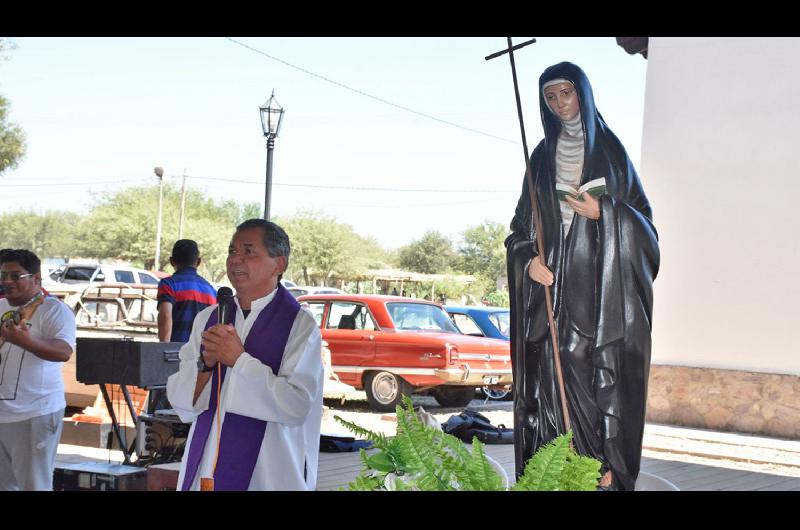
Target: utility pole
159, 171
183, 205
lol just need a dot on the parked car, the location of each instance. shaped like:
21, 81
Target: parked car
102, 294
483, 321
391, 346
89, 271
302, 290
288, 283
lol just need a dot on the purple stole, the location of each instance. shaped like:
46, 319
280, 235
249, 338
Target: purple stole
241, 437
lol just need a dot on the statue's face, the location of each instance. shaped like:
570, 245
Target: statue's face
563, 100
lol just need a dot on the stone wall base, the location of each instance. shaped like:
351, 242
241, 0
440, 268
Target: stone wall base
725, 400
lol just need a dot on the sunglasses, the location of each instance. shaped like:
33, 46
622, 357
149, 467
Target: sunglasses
14, 276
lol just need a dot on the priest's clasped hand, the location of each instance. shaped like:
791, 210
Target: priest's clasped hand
588, 206
222, 344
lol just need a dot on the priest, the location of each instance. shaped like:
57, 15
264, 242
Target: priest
253, 387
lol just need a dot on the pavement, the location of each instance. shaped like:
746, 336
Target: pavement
666, 442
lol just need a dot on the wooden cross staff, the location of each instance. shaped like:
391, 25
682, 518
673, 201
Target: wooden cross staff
537, 223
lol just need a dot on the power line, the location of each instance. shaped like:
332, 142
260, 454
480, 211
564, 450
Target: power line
58, 184
355, 188
376, 98
261, 182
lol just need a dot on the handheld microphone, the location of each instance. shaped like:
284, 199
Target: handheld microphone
224, 297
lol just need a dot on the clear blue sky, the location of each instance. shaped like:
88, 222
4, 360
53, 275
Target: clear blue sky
105, 111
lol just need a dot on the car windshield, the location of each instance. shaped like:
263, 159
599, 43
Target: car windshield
79, 273
420, 317
500, 321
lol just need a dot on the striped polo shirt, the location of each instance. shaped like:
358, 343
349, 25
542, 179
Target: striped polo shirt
189, 293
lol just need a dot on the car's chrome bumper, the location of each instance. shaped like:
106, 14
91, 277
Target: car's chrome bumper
465, 376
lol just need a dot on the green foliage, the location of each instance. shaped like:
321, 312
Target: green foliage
499, 298
364, 484
12, 140
49, 234
477, 290
432, 254
12, 137
483, 250
122, 226
425, 458
377, 439
447, 287
422, 458
324, 249
556, 467
479, 470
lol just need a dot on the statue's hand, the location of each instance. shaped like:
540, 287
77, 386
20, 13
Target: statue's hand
588, 206
539, 273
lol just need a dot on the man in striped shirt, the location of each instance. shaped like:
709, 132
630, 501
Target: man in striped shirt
182, 295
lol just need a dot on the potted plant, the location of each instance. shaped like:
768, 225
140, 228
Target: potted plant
423, 457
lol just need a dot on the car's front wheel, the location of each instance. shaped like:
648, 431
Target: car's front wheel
385, 390
453, 396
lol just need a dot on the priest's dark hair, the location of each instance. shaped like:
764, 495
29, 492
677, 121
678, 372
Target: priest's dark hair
275, 238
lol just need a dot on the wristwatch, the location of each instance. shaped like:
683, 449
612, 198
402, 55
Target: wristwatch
202, 366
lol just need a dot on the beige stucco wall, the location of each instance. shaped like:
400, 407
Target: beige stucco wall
721, 167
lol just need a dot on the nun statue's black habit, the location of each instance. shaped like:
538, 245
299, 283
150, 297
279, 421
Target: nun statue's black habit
602, 295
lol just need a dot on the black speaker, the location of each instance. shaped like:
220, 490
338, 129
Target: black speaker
125, 361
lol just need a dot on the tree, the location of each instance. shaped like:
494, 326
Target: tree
323, 248
51, 234
122, 225
12, 137
483, 251
432, 254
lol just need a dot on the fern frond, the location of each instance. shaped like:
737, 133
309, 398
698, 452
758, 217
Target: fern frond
480, 474
377, 439
581, 474
543, 471
420, 450
364, 483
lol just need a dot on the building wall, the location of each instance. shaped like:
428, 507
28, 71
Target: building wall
721, 167
725, 400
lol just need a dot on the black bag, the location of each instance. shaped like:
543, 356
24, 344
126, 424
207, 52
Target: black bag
329, 443
470, 423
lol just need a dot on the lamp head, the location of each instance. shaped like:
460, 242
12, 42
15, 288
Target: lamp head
271, 116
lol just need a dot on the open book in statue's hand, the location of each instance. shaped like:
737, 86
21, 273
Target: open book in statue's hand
595, 188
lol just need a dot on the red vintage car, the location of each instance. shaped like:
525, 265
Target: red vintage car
390, 346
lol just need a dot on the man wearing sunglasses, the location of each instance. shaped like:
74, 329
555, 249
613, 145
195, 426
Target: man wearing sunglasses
37, 335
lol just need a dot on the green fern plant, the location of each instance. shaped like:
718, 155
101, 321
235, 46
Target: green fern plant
557, 467
425, 458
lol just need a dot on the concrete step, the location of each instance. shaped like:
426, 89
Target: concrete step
737, 447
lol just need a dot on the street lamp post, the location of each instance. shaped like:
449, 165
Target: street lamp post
271, 117
160, 174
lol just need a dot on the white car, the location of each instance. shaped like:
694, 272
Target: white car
102, 294
302, 290
88, 271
